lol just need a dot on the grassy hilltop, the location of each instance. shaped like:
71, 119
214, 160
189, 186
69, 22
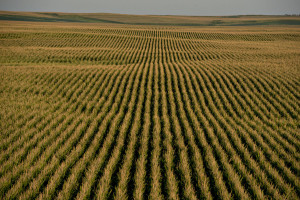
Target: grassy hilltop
119, 109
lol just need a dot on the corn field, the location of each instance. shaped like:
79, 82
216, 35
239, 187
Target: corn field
112, 111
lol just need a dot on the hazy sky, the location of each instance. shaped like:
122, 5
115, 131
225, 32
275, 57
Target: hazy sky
161, 7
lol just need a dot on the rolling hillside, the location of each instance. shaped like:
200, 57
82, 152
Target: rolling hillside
166, 20
119, 110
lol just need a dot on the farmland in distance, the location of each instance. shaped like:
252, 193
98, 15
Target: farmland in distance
133, 110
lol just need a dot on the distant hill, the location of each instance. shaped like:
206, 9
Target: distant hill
172, 20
